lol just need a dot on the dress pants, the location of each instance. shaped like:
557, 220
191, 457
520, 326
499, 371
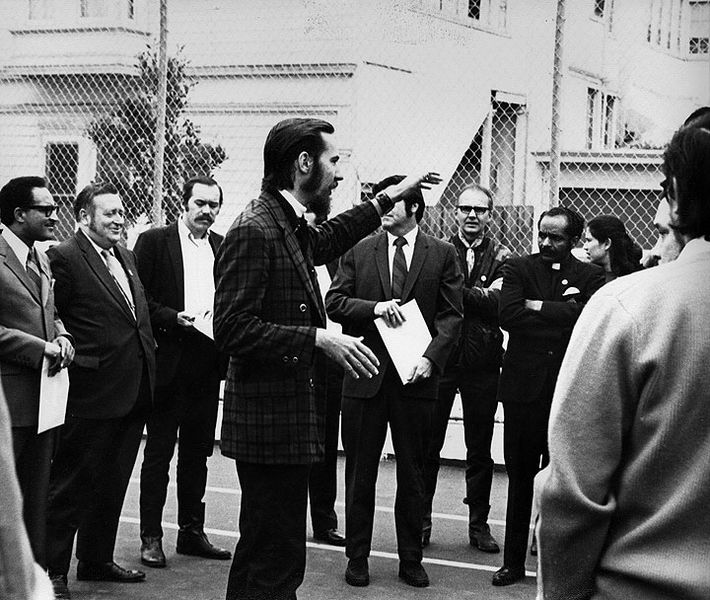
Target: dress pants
270, 557
525, 451
323, 481
33, 457
188, 404
478, 389
88, 482
364, 431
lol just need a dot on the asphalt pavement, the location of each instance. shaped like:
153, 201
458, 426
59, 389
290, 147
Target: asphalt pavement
456, 570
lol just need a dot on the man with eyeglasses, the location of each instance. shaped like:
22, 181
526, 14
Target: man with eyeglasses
474, 367
541, 299
30, 333
175, 264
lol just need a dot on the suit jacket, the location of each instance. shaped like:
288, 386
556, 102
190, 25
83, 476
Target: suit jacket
434, 280
160, 267
112, 347
538, 339
26, 323
267, 308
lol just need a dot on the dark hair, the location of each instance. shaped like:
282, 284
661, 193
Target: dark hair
204, 180
476, 187
412, 197
687, 160
624, 253
17, 193
286, 140
700, 117
575, 223
86, 196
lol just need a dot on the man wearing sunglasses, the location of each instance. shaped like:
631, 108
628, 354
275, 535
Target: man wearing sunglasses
30, 330
474, 367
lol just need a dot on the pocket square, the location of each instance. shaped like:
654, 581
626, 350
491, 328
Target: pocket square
570, 291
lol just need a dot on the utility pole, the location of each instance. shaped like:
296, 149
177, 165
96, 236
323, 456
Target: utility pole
160, 114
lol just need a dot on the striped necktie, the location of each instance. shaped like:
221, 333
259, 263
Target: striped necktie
119, 276
33, 271
399, 268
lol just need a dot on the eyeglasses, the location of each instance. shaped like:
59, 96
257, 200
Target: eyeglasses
46, 209
479, 210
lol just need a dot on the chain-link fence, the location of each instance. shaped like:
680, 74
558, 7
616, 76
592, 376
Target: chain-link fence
464, 87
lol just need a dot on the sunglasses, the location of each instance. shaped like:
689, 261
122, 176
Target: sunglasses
479, 210
46, 209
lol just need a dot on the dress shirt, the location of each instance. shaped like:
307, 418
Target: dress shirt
408, 248
19, 247
324, 281
198, 264
297, 207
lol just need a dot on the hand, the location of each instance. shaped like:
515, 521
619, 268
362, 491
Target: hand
422, 370
60, 352
412, 182
185, 319
533, 304
390, 312
349, 352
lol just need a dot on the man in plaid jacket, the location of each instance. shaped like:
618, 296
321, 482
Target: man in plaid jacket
269, 318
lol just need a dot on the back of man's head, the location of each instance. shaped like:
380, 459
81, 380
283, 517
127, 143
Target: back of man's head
686, 165
700, 117
412, 197
17, 193
286, 140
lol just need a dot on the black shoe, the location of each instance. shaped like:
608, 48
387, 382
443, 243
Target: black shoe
533, 545
412, 573
480, 537
152, 554
110, 571
330, 536
357, 573
507, 576
194, 542
59, 585
426, 536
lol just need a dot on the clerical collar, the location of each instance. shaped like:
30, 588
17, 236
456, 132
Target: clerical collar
297, 207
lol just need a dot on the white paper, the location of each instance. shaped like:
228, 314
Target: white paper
406, 343
203, 324
53, 394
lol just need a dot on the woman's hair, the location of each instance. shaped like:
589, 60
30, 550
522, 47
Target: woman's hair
624, 253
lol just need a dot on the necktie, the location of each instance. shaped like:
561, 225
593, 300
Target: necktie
399, 268
33, 271
119, 276
470, 259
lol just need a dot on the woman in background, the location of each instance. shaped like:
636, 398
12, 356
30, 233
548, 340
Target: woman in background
608, 245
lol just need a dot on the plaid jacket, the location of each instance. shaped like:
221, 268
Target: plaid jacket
267, 308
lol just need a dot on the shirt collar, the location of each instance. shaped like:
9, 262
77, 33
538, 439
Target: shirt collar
297, 207
19, 247
98, 248
410, 236
185, 232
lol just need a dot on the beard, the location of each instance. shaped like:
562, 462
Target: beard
319, 203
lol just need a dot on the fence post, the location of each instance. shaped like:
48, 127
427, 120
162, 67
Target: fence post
160, 115
555, 120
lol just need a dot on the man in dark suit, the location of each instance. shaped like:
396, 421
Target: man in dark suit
30, 331
269, 318
382, 272
542, 296
101, 298
175, 264
474, 367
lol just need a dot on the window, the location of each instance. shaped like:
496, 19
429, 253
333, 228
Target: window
603, 11
488, 13
681, 27
599, 8
602, 119
85, 9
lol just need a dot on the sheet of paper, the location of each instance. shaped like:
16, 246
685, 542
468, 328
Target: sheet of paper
203, 324
406, 344
53, 394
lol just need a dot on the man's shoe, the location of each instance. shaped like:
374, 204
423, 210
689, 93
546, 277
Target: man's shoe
412, 573
194, 542
110, 571
507, 576
533, 545
480, 537
152, 554
426, 536
59, 585
357, 573
330, 536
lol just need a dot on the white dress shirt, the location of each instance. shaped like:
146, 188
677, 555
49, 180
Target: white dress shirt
408, 248
197, 264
